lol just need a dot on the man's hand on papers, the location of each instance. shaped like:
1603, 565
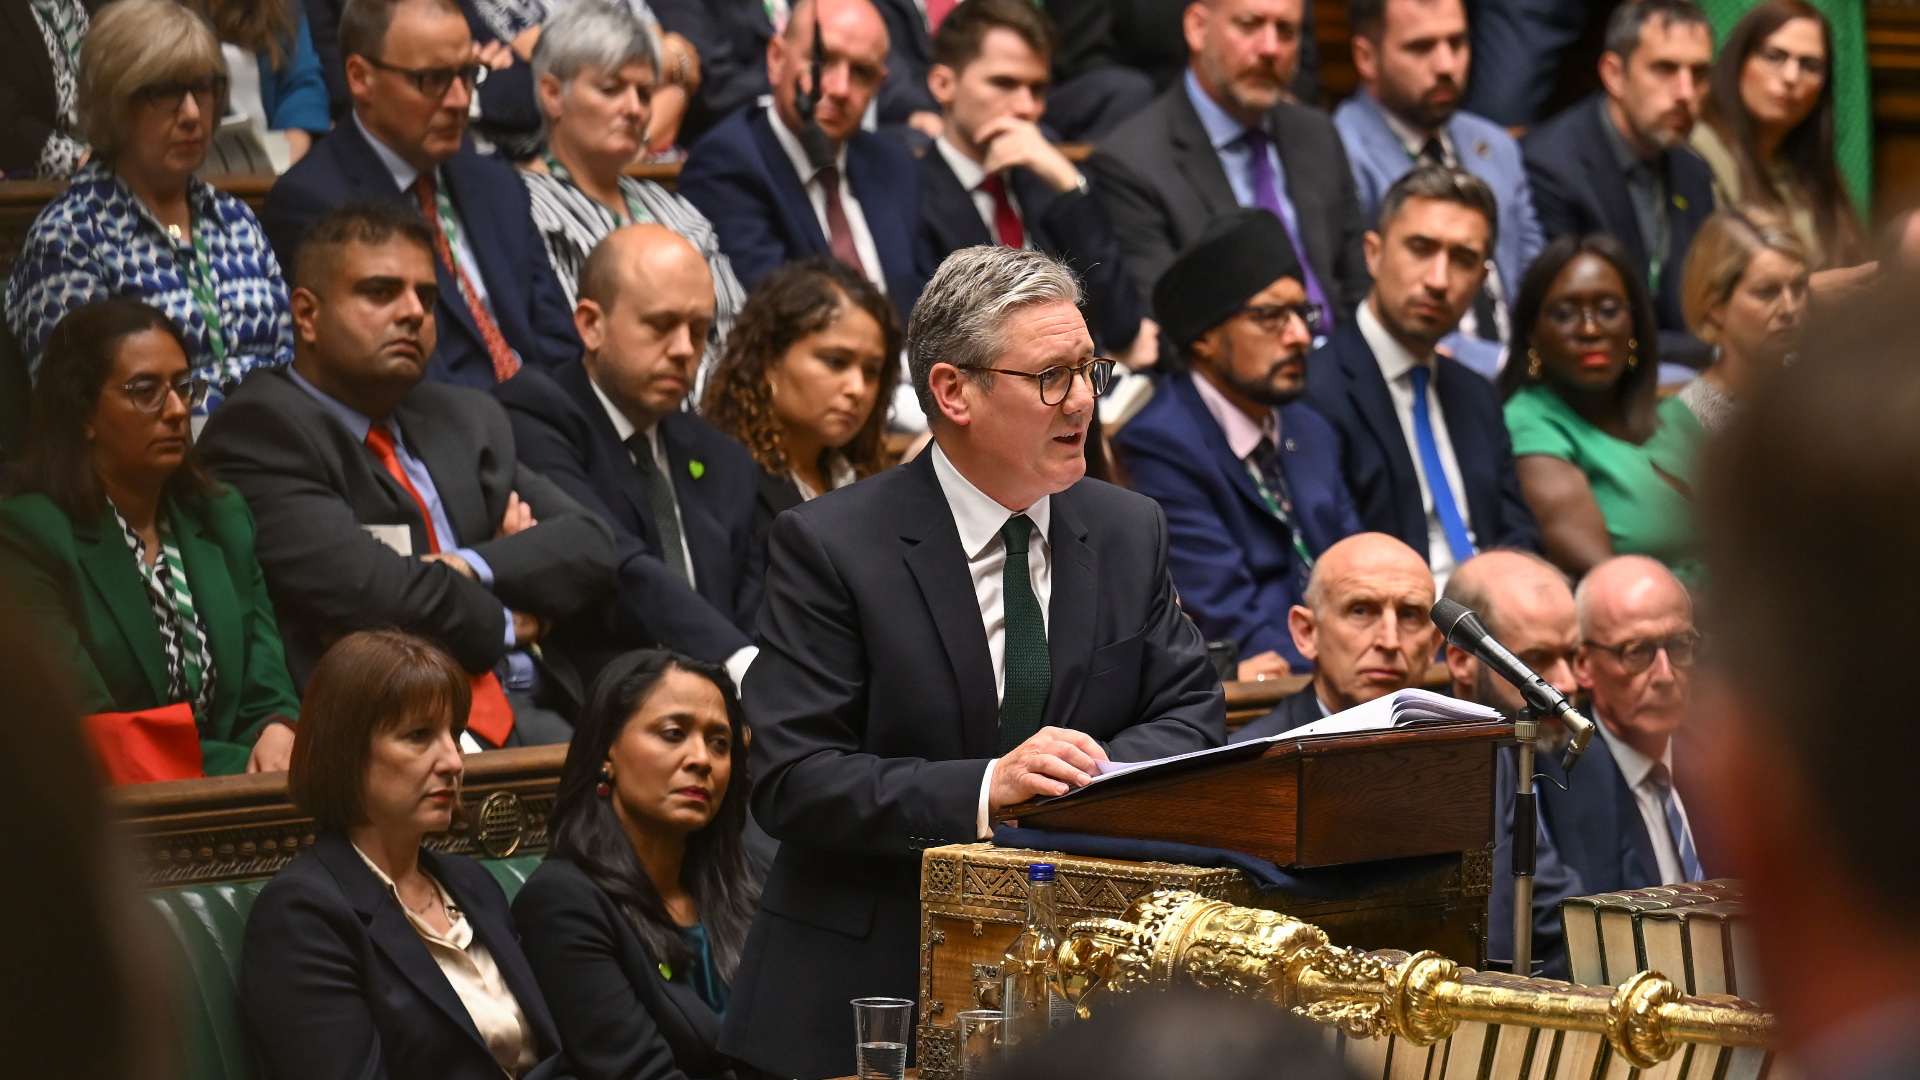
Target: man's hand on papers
1052, 762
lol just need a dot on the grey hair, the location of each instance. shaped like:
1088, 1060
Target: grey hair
592, 35
961, 317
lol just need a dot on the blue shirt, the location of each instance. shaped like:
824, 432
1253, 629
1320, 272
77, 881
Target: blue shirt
1225, 133
97, 240
519, 664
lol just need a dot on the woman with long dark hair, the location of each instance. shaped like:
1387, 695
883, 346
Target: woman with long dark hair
1605, 464
635, 922
1768, 128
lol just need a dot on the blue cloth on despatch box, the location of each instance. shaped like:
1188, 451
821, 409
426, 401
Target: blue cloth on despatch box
1308, 883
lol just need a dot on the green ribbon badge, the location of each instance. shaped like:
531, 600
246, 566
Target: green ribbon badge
666, 972
697, 468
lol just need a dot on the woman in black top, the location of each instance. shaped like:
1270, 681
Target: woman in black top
635, 921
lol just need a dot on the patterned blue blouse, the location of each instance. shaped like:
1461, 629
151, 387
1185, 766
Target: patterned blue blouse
98, 240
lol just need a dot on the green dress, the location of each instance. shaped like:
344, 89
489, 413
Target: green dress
1646, 515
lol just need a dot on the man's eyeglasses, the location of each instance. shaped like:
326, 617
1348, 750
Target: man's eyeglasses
149, 394
1057, 382
167, 96
435, 82
1272, 318
1682, 650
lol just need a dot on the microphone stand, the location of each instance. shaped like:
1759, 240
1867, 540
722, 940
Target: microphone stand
1526, 733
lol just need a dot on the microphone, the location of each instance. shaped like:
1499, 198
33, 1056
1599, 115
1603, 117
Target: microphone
812, 139
1464, 630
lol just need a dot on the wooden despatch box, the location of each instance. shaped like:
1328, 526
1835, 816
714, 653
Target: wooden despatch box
973, 900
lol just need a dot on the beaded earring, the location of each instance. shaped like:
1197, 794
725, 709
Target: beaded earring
605, 787
1633, 354
1533, 365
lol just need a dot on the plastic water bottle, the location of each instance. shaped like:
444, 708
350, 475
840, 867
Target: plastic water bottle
1027, 991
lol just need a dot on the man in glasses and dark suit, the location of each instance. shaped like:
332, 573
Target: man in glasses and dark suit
950, 638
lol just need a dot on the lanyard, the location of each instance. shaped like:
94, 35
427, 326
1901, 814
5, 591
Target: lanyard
1273, 506
636, 214
200, 284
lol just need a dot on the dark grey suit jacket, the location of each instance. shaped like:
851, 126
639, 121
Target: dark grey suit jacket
1162, 184
312, 486
874, 713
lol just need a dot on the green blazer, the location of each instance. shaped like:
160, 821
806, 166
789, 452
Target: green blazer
80, 582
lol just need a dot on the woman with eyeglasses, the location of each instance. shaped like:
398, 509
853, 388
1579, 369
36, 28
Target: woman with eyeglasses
1767, 128
1605, 464
1744, 291
136, 222
132, 563
812, 359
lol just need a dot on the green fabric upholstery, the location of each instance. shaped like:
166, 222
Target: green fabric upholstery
208, 923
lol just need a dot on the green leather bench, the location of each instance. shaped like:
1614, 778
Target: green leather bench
208, 924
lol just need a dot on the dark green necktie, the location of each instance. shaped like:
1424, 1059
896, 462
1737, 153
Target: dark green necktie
666, 516
1029, 669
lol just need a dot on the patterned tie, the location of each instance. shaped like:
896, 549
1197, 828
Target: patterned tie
1458, 541
1682, 836
666, 515
1029, 677
504, 362
839, 233
1271, 479
1266, 195
490, 716
1006, 223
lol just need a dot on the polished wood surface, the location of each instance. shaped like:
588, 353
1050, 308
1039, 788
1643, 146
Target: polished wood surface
1308, 802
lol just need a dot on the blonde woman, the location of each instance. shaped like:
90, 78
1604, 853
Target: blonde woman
1743, 291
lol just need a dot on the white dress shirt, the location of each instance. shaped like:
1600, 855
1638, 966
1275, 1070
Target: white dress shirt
817, 194
742, 658
971, 175
979, 520
404, 175
1635, 767
1396, 365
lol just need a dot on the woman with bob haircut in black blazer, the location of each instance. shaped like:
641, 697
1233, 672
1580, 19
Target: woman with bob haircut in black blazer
369, 956
635, 921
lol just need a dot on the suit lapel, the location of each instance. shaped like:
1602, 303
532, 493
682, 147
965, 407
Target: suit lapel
213, 597
1610, 184
503, 944
1070, 610
939, 566
1308, 215
707, 546
787, 187
1198, 160
947, 207
1468, 451
880, 196
1368, 389
392, 934
453, 472
470, 198
574, 380
108, 564
1231, 467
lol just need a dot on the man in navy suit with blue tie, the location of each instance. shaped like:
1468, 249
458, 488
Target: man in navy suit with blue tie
771, 204
1621, 823
1426, 454
1249, 478
411, 66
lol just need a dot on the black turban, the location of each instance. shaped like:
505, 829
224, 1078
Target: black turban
1240, 254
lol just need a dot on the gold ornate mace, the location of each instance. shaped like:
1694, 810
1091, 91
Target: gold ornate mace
1174, 936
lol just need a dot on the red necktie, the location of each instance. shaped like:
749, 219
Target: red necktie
937, 10
839, 233
504, 363
1006, 222
491, 717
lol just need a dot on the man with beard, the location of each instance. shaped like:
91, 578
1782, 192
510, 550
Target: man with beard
1248, 477
1413, 58
1618, 163
1526, 604
1226, 135
1424, 450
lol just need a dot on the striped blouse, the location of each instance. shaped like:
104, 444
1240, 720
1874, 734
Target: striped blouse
571, 223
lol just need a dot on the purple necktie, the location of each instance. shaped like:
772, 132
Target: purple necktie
1266, 195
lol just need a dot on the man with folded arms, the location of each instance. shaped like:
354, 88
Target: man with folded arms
1365, 627
971, 630
387, 501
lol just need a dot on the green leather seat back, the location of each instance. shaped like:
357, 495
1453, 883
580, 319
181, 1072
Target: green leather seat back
208, 923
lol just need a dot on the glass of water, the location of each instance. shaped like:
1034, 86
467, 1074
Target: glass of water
980, 1044
880, 1044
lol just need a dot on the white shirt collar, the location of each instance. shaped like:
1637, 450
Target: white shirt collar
1634, 765
1243, 434
622, 426
975, 513
969, 172
797, 153
1393, 357
403, 174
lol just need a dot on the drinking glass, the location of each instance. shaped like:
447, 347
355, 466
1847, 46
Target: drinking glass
880, 1044
980, 1045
